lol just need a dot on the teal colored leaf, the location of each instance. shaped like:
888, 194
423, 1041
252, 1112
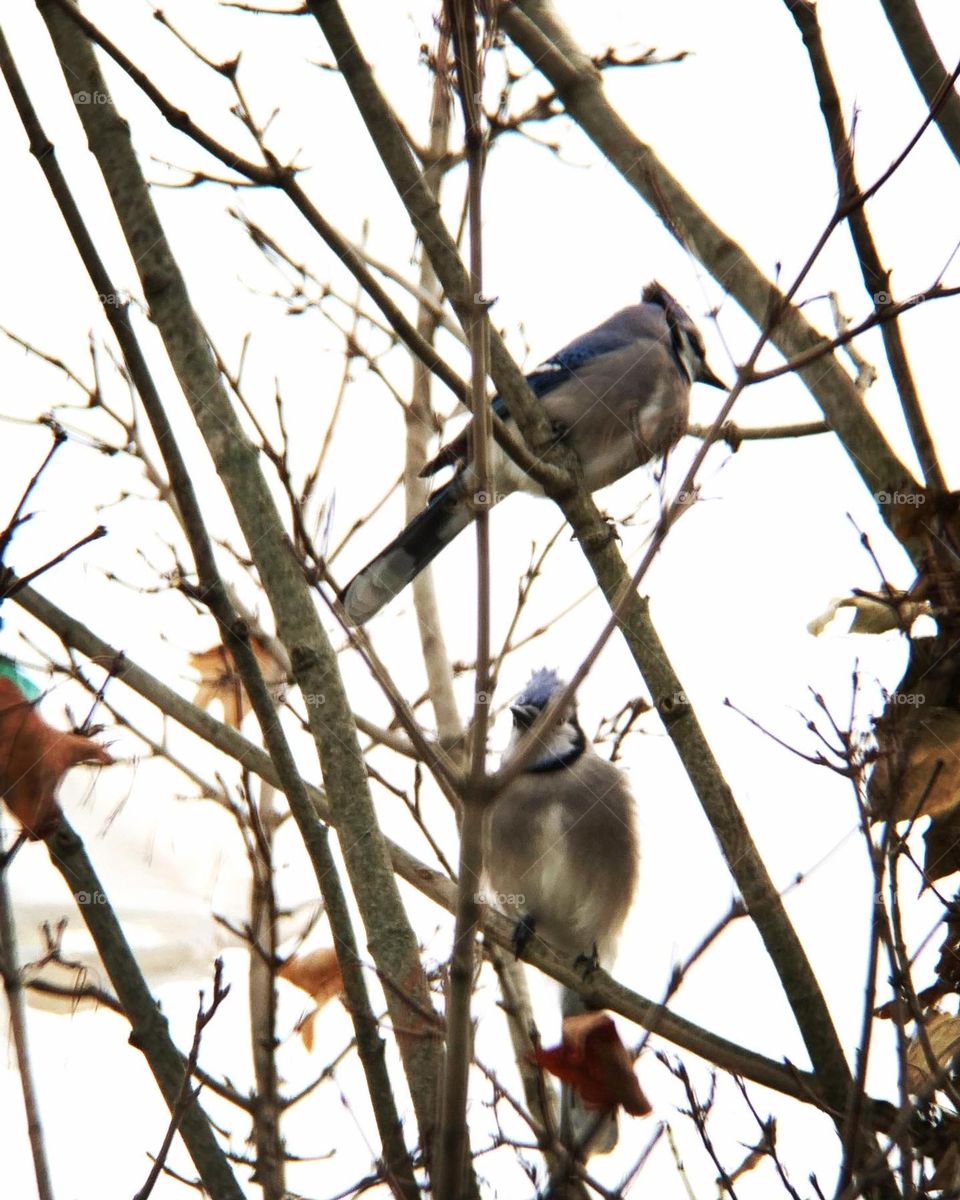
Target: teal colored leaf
10, 670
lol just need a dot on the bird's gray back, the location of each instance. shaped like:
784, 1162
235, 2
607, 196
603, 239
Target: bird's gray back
622, 409
634, 321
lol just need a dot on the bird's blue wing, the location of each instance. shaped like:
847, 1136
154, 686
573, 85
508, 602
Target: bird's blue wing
604, 339
576, 354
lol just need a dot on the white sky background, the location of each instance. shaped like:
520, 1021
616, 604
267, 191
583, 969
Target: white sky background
567, 242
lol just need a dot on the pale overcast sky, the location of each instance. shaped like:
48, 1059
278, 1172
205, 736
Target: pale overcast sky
567, 243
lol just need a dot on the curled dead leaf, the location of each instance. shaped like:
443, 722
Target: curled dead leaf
926, 515
946, 1177
872, 613
918, 761
594, 1061
756, 1154
943, 1035
318, 974
942, 846
34, 757
899, 1010
220, 680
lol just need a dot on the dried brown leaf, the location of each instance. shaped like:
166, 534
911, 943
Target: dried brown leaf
594, 1061
757, 1153
220, 680
34, 757
946, 1177
943, 1036
942, 846
918, 761
872, 614
318, 974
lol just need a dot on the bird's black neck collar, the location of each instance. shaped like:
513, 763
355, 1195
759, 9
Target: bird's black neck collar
567, 757
677, 348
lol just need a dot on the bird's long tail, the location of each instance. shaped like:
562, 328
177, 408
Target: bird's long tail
415, 547
583, 1131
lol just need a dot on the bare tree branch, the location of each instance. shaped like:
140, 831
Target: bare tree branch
532, 25
189, 352
187, 1094
876, 279
13, 987
604, 992
452, 1166
932, 77
149, 1033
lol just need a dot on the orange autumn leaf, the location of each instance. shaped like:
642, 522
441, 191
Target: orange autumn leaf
318, 974
220, 680
593, 1060
34, 757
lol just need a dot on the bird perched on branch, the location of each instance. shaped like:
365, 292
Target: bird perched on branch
561, 855
619, 396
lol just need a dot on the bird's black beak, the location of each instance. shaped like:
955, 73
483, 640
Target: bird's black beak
708, 377
524, 715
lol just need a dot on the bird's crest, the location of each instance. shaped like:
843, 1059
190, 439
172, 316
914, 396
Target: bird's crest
540, 688
656, 293
685, 339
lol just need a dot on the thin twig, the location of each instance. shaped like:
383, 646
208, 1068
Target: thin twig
59, 437
875, 278
450, 1178
7, 589
298, 623
188, 1094
605, 993
13, 986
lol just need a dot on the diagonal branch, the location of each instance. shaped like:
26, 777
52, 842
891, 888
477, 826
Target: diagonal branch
743, 859
17, 519
450, 1177
876, 279
190, 354
149, 1028
187, 1093
532, 25
435, 885
424, 214
931, 76
13, 987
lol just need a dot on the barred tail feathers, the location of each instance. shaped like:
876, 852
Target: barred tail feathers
413, 549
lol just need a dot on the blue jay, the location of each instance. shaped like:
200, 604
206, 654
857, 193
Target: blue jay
619, 396
561, 855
